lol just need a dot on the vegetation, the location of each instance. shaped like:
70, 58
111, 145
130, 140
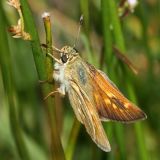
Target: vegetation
31, 128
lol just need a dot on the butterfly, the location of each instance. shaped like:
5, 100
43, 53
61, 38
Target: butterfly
92, 95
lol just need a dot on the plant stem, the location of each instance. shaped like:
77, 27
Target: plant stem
72, 139
106, 24
56, 146
48, 59
144, 20
113, 26
107, 39
119, 40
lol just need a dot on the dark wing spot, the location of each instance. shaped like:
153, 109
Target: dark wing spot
82, 75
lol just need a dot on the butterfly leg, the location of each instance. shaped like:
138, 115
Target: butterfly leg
51, 94
42, 81
60, 90
45, 81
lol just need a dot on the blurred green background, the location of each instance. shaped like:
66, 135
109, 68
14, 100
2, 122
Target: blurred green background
25, 127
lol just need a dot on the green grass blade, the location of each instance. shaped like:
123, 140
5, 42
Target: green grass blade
5, 61
72, 139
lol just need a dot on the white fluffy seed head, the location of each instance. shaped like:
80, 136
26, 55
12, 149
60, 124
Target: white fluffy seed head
132, 3
45, 14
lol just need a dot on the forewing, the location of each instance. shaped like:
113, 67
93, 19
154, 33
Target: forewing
110, 102
87, 114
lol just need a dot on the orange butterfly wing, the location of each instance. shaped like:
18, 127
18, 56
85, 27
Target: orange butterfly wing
110, 102
87, 115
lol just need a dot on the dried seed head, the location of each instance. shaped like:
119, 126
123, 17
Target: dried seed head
14, 3
132, 4
17, 31
26, 36
45, 14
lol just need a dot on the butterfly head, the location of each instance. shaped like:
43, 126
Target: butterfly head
67, 54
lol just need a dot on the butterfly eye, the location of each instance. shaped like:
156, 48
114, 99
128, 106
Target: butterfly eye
75, 49
64, 58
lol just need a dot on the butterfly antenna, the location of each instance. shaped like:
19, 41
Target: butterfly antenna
79, 29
